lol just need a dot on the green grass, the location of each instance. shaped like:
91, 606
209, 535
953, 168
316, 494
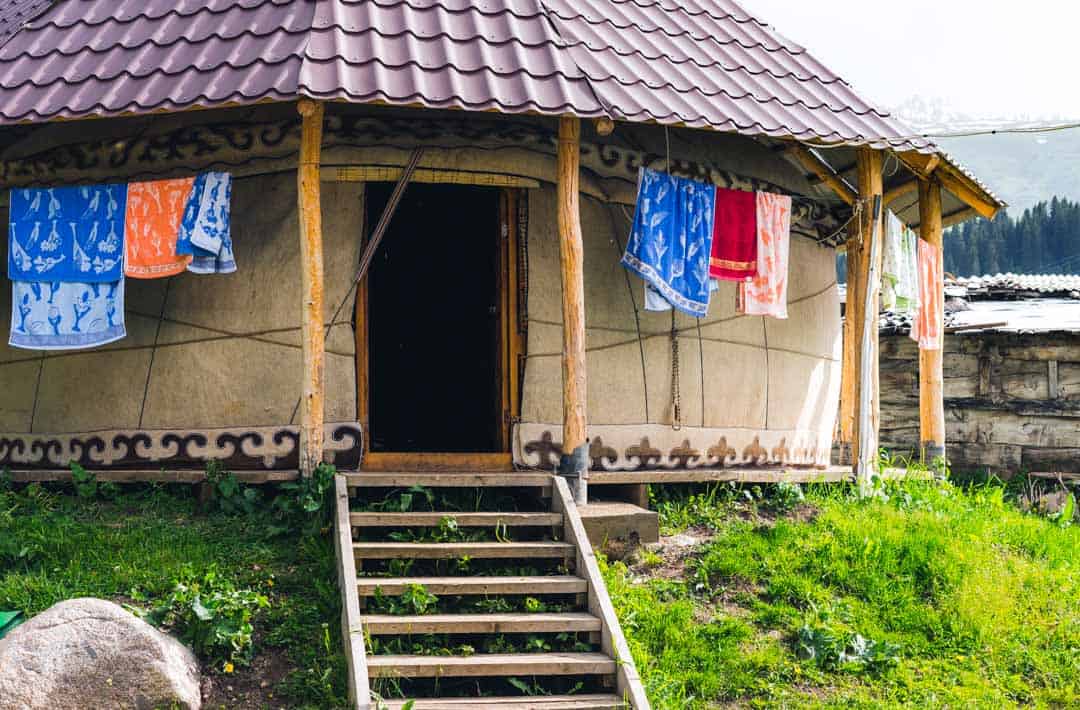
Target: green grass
55, 546
962, 600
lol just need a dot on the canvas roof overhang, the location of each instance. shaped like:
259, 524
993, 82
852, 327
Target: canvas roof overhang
704, 65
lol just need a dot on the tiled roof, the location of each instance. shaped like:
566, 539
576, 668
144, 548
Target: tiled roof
1002, 286
702, 63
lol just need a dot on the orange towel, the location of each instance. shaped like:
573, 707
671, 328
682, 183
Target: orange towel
766, 293
928, 325
154, 212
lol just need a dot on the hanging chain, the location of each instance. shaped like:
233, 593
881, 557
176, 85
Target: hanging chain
676, 396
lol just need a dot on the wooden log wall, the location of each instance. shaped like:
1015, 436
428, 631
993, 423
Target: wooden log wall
1012, 401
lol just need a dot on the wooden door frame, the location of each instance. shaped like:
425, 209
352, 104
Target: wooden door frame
509, 356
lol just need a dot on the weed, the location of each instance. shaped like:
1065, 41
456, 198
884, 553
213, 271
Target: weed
227, 494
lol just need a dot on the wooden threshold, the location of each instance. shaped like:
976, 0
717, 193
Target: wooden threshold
149, 476
384, 461
396, 479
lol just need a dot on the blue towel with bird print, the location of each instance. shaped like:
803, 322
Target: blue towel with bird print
53, 315
67, 234
671, 238
206, 229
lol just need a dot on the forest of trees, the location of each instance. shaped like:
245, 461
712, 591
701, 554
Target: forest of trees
1045, 239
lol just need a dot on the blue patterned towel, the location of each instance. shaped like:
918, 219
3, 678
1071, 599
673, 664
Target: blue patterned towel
206, 231
671, 238
66, 316
67, 234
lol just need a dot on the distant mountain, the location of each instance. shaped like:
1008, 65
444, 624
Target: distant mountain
1022, 169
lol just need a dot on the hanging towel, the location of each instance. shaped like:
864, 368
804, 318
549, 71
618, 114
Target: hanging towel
927, 325
655, 301
899, 276
670, 241
766, 293
205, 232
66, 316
734, 237
154, 213
67, 234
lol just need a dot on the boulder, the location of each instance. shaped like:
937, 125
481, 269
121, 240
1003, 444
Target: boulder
90, 653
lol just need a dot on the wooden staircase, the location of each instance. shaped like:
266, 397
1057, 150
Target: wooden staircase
521, 621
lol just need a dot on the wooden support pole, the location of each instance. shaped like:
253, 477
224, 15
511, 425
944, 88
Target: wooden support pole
849, 375
810, 160
870, 164
931, 378
311, 287
571, 254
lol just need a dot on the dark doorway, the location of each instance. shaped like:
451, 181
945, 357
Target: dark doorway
434, 322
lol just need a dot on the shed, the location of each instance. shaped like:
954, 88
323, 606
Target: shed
1012, 375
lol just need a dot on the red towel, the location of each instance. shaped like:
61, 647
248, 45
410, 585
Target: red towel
735, 242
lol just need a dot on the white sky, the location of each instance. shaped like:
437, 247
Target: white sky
983, 57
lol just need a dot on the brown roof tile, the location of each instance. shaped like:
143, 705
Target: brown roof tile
703, 63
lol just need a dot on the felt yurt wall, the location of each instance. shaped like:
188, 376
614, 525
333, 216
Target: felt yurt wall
753, 390
203, 352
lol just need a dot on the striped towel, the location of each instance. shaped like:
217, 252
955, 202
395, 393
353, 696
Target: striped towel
766, 293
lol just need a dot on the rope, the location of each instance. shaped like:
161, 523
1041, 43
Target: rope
153, 350
676, 395
637, 313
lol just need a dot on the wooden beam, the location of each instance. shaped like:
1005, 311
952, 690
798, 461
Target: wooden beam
812, 162
352, 629
952, 179
571, 253
868, 297
313, 338
931, 376
902, 190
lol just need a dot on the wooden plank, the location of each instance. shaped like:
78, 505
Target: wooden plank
1052, 379
313, 340
481, 586
391, 173
352, 628
571, 260
963, 187
393, 479
463, 520
931, 362
385, 624
549, 702
387, 461
832, 474
456, 550
823, 171
612, 641
149, 476
483, 665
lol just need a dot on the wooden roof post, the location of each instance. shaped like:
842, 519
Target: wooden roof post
311, 286
868, 413
931, 380
575, 459
849, 374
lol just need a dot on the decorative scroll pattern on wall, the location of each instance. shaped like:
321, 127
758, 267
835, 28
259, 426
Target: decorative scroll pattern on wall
629, 447
273, 145
240, 449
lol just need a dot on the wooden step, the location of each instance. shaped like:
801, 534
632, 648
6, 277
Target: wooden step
548, 702
484, 665
480, 586
385, 625
404, 479
463, 520
456, 550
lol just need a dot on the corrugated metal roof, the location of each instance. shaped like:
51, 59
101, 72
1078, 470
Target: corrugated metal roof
692, 62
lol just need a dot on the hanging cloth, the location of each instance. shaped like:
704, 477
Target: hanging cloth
766, 293
66, 316
735, 236
152, 226
899, 276
927, 325
670, 241
205, 232
67, 234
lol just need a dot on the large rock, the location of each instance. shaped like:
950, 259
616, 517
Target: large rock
90, 653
